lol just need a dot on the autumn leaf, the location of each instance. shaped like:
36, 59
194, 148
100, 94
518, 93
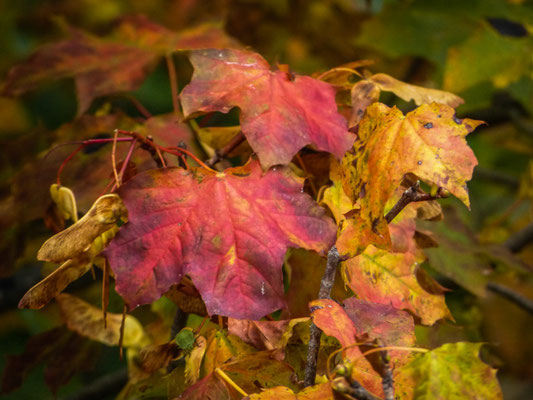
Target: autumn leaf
211, 387
428, 142
366, 92
105, 66
321, 391
87, 320
264, 335
222, 348
506, 59
154, 357
280, 114
193, 361
452, 371
228, 231
384, 277
331, 318
250, 372
65, 354
380, 321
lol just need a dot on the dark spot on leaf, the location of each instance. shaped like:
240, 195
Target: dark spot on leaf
429, 125
375, 223
362, 193
419, 162
314, 308
457, 120
439, 116
242, 175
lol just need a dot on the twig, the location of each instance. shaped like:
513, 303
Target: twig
173, 83
221, 154
352, 388
325, 293
520, 239
496, 177
136, 103
518, 299
114, 161
412, 195
106, 386
387, 381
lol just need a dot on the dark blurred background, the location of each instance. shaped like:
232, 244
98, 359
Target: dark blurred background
480, 50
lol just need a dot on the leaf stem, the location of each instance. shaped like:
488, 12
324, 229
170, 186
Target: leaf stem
223, 153
114, 161
60, 169
228, 380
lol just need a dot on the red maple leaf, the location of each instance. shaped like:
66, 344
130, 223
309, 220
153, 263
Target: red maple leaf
228, 231
280, 112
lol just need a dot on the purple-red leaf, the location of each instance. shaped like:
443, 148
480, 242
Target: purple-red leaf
228, 231
280, 112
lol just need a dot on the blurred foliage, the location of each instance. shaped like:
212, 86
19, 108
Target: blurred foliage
481, 50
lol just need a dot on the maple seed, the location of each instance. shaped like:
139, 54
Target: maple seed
102, 216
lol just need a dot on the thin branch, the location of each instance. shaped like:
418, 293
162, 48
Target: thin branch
223, 153
173, 83
351, 388
325, 293
520, 239
107, 386
387, 381
412, 195
114, 161
518, 299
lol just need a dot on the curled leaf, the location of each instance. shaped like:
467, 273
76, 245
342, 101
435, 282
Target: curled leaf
193, 360
65, 201
88, 321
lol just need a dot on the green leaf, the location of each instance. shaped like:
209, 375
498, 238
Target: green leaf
452, 372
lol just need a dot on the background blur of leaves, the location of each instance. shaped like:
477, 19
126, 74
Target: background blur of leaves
479, 49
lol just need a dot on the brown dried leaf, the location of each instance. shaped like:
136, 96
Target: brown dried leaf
193, 361
88, 321
153, 357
